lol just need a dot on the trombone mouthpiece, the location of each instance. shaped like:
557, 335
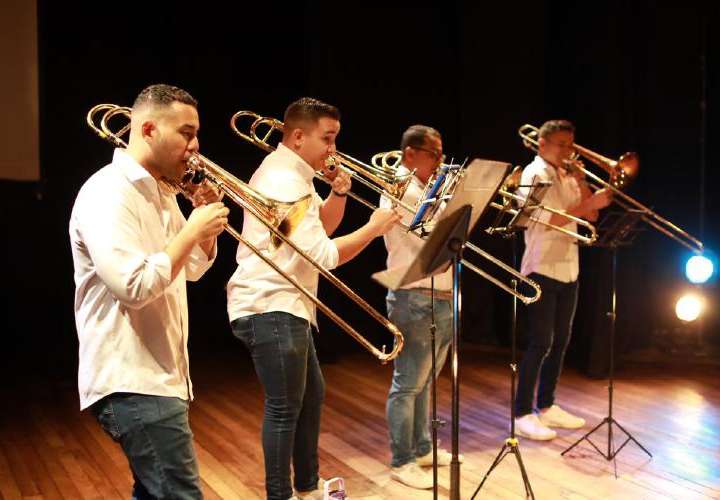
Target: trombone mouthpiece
330, 164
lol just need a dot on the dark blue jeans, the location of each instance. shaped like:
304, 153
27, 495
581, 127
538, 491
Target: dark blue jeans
549, 327
282, 349
154, 433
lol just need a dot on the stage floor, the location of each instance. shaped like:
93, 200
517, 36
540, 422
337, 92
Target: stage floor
48, 449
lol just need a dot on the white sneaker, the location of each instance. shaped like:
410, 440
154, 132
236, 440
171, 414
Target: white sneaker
529, 426
412, 475
444, 458
557, 417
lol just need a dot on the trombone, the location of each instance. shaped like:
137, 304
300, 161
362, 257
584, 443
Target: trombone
383, 178
621, 172
271, 213
507, 192
372, 177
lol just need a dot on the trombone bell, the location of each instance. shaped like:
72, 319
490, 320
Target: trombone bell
290, 216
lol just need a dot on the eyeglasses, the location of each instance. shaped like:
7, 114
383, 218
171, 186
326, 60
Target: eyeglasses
560, 145
435, 154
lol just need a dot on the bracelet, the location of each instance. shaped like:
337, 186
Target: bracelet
341, 195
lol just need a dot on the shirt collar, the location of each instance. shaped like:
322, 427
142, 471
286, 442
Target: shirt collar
131, 168
302, 167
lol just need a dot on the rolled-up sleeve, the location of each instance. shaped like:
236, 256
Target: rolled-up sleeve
320, 248
310, 235
199, 262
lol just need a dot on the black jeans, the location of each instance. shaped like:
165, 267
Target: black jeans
549, 326
283, 352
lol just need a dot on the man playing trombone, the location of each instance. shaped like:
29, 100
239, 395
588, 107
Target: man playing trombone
551, 260
410, 309
271, 317
132, 252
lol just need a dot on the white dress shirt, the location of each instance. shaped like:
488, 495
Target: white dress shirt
547, 251
255, 287
131, 319
404, 247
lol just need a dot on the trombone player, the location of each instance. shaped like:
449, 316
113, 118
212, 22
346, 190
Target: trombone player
271, 317
132, 252
551, 260
410, 309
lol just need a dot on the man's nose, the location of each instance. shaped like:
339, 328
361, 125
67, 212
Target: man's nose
194, 145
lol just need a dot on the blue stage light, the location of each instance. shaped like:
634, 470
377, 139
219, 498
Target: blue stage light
699, 269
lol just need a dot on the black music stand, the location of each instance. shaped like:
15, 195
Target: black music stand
475, 191
617, 229
518, 223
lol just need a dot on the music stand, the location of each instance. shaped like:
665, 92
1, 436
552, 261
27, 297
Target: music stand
474, 192
617, 229
518, 223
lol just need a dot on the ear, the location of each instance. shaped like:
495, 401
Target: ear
541, 142
408, 154
297, 138
148, 130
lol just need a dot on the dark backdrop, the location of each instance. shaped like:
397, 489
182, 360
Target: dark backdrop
629, 74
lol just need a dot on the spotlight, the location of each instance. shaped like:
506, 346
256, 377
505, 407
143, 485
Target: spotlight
689, 307
699, 269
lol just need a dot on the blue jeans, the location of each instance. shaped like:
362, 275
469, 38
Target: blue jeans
282, 349
155, 435
549, 327
407, 403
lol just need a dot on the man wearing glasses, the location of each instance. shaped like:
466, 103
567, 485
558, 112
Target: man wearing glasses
410, 309
551, 260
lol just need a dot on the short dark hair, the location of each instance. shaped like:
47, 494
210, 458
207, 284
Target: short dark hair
163, 95
308, 110
415, 136
551, 126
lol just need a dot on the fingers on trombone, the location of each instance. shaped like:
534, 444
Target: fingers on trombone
342, 182
205, 194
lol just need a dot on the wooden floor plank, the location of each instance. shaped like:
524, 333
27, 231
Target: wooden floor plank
673, 413
9, 488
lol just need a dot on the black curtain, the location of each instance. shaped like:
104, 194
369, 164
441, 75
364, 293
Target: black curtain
627, 73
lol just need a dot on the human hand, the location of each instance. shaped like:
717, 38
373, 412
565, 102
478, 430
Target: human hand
206, 193
342, 182
575, 168
600, 199
207, 221
383, 219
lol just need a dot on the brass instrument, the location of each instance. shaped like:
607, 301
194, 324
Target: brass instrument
620, 172
448, 177
382, 178
284, 216
272, 214
507, 192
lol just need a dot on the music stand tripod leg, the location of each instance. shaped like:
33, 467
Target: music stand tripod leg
511, 444
623, 226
